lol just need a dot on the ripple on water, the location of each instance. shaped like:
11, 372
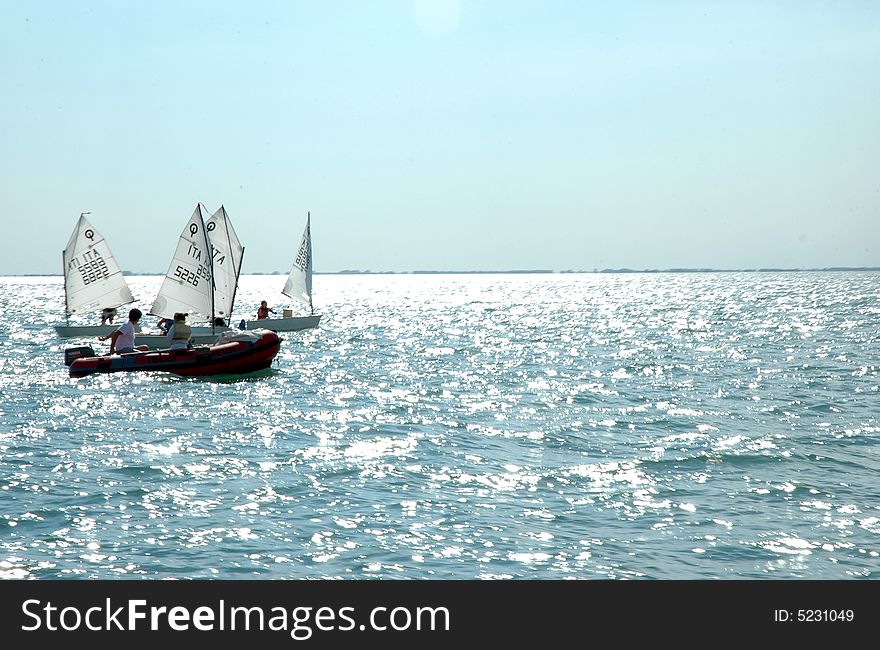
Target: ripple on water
494, 427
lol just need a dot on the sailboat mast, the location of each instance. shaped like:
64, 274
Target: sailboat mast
240, 260
64, 269
64, 280
235, 288
309, 271
209, 250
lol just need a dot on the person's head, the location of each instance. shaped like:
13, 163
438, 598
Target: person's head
219, 321
263, 304
135, 315
179, 317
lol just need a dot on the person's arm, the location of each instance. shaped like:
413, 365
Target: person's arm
112, 336
169, 335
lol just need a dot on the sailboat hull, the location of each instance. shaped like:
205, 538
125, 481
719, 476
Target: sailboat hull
235, 357
294, 324
85, 331
201, 335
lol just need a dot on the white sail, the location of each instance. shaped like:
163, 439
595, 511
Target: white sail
92, 278
188, 285
299, 282
227, 254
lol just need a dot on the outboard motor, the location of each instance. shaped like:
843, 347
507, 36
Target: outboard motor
72, 354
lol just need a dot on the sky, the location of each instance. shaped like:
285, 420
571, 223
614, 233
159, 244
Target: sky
446, 134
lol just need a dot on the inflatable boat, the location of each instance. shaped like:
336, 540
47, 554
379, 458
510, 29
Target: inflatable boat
240, 353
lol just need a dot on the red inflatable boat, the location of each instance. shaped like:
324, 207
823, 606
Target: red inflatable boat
242, 353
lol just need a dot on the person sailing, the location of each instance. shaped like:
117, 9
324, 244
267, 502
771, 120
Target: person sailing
179, 333
264, 310
164, 324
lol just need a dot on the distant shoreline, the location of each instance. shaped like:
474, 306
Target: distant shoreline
830, 269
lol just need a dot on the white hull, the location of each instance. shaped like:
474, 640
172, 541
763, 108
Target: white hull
201, 335
205, 335
285, 324
85, 331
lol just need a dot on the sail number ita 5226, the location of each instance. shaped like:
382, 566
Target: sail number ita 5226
188, 276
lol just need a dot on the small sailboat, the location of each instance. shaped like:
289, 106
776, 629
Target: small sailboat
185, 289
188, 286
92, 279
298, 287
226, 255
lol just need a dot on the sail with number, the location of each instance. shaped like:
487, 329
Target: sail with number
188, 286
227, 253
299, 282
92, 278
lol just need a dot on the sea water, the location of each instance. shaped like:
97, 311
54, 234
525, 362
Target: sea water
691, 425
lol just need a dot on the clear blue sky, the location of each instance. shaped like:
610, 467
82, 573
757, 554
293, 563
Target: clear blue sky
446, 135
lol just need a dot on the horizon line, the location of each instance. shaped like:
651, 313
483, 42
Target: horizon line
622, 270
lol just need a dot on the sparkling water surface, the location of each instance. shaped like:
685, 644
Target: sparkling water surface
692, 425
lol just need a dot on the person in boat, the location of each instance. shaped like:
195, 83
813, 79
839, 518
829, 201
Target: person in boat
122, 338
107, 315
164, 324
219, 322
264, 311
179, 333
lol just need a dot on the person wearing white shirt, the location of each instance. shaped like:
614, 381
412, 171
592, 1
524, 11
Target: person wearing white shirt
122, 338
